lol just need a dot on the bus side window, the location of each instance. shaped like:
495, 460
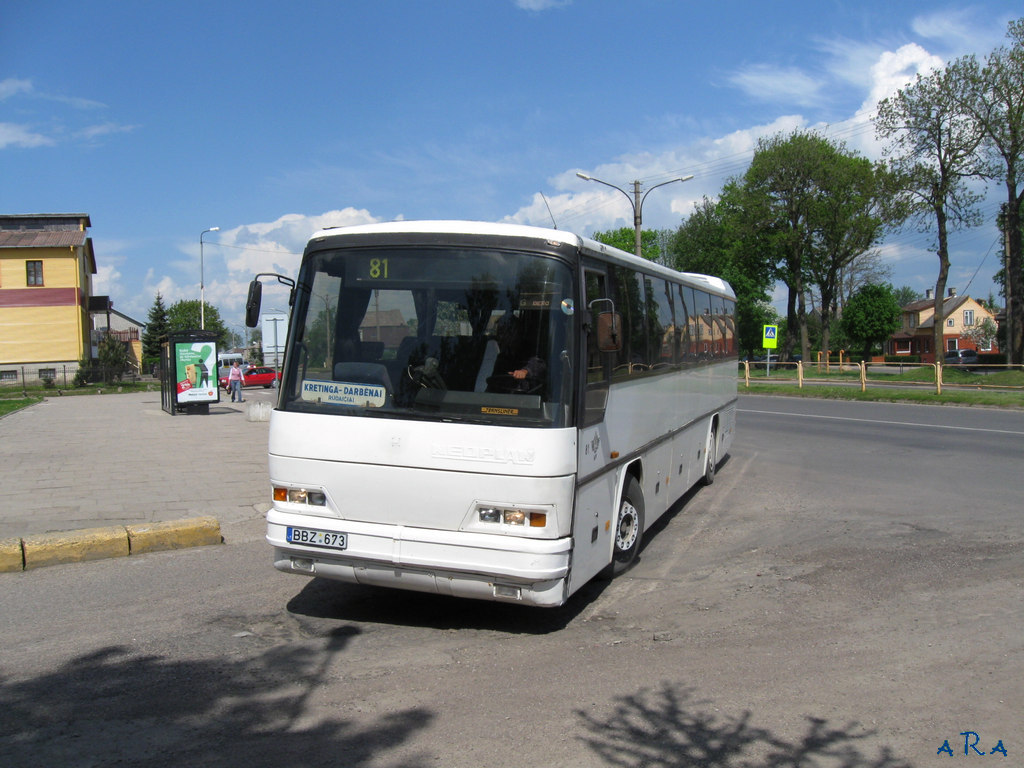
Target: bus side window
598, 363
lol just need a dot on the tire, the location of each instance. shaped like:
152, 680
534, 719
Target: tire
711, 458
629, 529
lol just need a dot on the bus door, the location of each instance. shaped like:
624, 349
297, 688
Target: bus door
597, 491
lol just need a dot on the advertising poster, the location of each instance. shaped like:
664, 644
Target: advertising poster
196, 372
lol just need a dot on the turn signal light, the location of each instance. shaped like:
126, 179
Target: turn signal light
300, 496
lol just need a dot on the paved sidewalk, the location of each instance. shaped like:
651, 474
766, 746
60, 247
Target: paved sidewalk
86, 461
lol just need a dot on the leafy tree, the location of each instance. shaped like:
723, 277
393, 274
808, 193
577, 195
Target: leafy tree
905, 295
934, 149
712, 241
867, 269
813, 210
184, 315
113, 357
871, 315
993, 95
982, 334
156, 331
852, 210
624, 239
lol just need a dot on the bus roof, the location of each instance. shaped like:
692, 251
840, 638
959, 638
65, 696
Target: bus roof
708, 282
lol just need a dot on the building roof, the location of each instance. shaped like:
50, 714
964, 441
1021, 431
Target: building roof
49, 221
44, 238
41, 238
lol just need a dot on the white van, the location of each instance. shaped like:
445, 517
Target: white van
225, 361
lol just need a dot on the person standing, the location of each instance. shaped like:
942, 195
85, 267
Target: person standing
236, 380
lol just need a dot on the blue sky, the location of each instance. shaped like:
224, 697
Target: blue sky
271, 120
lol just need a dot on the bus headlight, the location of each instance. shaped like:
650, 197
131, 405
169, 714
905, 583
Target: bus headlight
533, 518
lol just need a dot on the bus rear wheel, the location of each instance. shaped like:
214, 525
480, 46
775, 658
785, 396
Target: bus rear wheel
629, 529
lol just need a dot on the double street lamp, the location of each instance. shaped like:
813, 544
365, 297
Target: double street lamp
202, 287
636, 201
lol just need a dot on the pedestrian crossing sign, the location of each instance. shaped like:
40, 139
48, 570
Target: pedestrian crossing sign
771, 333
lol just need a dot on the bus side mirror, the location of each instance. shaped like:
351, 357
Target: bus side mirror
252, 304
609, 336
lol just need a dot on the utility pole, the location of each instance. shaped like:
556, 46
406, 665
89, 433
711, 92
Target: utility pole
636, 201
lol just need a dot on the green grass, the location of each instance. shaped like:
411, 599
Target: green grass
10, 405
921, 394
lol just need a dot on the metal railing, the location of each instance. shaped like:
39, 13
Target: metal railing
865, 375
63, 376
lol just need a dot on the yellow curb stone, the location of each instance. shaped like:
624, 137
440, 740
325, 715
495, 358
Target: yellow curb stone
173, 534
75, 546
11, 557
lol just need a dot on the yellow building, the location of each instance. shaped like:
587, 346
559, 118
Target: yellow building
46, 268
961, 315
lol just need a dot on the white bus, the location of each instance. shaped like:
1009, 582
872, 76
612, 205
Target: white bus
487, 410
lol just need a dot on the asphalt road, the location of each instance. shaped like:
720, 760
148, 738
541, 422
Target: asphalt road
848, 593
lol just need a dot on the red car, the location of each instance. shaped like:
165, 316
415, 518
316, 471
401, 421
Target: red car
256, 376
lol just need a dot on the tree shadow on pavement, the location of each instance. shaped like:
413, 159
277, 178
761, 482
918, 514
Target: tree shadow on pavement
114, 707
666, 728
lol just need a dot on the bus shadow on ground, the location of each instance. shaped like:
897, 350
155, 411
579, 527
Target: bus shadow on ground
664, 727
341, 601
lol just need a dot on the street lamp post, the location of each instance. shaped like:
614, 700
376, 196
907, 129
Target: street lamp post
202, 287
636, 201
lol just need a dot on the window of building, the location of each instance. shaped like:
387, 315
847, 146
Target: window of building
8, 375
950, 323
33, 273
48, 373
968, 318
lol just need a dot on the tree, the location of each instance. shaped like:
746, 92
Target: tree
853, 209
814, 209
871, 315
905, 295
156, 331
982, 334
994, 97
624, 239
933, 148
710, 241
867, 269
184, 316
113, 357
777, 196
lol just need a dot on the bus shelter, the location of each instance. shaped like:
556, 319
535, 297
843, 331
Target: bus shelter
188, 372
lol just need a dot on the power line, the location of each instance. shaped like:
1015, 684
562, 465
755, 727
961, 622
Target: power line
256, 250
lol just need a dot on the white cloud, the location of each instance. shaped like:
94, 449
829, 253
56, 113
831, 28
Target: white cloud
896, 69
107, 279
232, 257
541, 5
13, 85
956, 32
13, 135
94, 132
780, 85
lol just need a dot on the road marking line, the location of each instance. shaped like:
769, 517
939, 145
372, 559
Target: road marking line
883, 421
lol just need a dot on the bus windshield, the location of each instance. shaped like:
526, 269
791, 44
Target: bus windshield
445, 333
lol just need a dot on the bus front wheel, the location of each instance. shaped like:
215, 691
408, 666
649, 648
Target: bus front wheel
712, 458
629, 529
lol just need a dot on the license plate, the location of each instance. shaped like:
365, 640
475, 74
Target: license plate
313, 538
